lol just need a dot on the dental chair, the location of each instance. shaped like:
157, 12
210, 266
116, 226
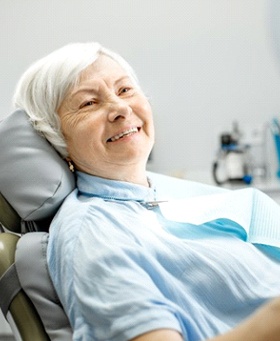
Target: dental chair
34, 181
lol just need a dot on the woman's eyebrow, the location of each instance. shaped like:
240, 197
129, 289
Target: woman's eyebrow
84, 90
122, 79
92, 90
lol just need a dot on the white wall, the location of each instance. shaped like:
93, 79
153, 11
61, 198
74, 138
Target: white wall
204, 63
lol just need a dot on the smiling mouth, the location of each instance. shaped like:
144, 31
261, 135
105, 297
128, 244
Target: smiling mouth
124, 133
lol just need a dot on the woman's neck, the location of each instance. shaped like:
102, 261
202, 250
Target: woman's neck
136, 175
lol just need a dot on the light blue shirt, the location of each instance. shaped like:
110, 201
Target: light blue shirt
121, 269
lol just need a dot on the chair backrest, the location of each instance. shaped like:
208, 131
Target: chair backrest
17, 307
34, 181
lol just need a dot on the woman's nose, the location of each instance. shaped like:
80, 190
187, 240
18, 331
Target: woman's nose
119, 109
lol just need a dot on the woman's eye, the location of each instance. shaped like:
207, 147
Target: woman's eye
87, 104
125, 90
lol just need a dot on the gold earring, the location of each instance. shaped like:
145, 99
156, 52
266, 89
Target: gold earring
71, 166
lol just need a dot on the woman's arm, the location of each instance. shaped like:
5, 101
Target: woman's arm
263, 325
159, 335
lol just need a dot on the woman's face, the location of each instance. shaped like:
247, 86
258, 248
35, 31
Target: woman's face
107, 121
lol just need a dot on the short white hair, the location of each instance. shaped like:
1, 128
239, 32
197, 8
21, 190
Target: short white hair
44, 85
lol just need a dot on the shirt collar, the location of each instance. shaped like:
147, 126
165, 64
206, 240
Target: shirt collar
93, 186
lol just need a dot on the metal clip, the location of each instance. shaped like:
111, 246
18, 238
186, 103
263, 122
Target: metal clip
151, 204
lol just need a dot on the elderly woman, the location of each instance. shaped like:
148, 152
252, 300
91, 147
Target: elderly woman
123, 271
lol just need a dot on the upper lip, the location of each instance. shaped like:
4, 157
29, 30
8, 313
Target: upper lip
123, 133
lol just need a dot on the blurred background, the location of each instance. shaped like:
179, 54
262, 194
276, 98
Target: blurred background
211, 69
204, 64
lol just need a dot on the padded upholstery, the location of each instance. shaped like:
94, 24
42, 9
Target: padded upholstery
34, 180
30, 259
22, 314
28, 252
33, 177
8, 216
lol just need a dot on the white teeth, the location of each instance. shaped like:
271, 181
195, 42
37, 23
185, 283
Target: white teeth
127, 132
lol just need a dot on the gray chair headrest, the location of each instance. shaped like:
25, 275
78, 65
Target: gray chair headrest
34, 179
